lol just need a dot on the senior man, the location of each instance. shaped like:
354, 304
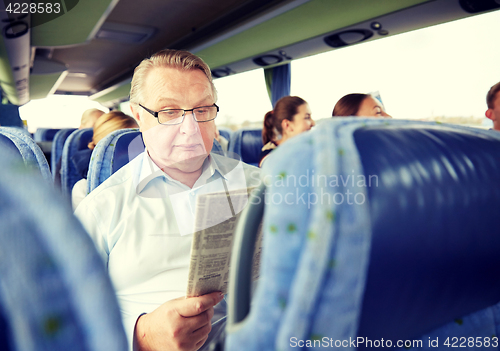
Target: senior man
141, 219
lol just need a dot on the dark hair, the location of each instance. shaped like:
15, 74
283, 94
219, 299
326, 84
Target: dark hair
285, 108
348, 105
491, 95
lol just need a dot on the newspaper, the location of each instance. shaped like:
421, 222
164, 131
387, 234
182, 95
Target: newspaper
216, 216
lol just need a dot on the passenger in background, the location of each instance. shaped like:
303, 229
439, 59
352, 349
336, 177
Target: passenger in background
89, 118
362, 105
290, 117
109, 122
493, 102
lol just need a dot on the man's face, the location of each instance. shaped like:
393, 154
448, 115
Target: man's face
184, 146
494, 113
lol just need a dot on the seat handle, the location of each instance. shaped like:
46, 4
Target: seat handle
240, 274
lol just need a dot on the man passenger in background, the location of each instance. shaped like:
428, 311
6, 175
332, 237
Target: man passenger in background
493, 102
141, 219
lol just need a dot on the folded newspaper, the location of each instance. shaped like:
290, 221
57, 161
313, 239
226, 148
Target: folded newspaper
216, 216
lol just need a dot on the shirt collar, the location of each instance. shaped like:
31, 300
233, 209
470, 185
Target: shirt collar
149, 171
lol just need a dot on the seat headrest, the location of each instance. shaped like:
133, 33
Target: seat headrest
247, 143
434, 203
84, 138
127, 147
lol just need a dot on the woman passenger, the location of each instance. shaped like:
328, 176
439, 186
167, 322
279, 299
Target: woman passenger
290, 117
106, 124
362, 105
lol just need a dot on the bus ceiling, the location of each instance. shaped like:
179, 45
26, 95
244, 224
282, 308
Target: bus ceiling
91, 47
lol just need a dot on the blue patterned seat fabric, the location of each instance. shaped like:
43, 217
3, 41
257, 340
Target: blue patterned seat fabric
246, 144
100, 167
30, 151
55, 294
57, 148
78, 140
378, 229
116, 150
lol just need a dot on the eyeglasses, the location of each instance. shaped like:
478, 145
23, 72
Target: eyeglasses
176, 116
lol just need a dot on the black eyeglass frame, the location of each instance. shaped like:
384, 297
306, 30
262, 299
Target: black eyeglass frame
155, 114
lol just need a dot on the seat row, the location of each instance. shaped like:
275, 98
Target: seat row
410, 257
112, 154
121, 146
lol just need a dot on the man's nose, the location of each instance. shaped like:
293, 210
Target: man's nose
189, 125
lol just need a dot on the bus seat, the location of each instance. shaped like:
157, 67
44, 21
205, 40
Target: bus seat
45, 134
115, 151
30, 151
102, 160
17, 129
7, 146
78, 140
226, 133
55, 293
373, 229
57, 149
246, 144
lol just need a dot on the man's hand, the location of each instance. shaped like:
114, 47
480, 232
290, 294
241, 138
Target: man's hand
180, 324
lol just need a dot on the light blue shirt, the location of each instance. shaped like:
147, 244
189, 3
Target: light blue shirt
141, 221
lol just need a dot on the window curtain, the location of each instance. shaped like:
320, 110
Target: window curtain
278, 81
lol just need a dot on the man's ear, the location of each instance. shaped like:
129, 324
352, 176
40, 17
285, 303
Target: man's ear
135, 113
489, 113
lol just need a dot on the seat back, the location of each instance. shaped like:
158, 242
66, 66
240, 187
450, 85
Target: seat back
78, 140
102, 160
387, 228
45, 134
127, 147
57, 149
246, 144
115, 151
8, 147
55, 293
30, 151
226, 133
436, 221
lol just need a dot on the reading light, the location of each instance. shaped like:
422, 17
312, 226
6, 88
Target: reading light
266, 60
221, 72
348, 37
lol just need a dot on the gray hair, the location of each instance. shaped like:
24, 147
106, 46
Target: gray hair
182, 60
